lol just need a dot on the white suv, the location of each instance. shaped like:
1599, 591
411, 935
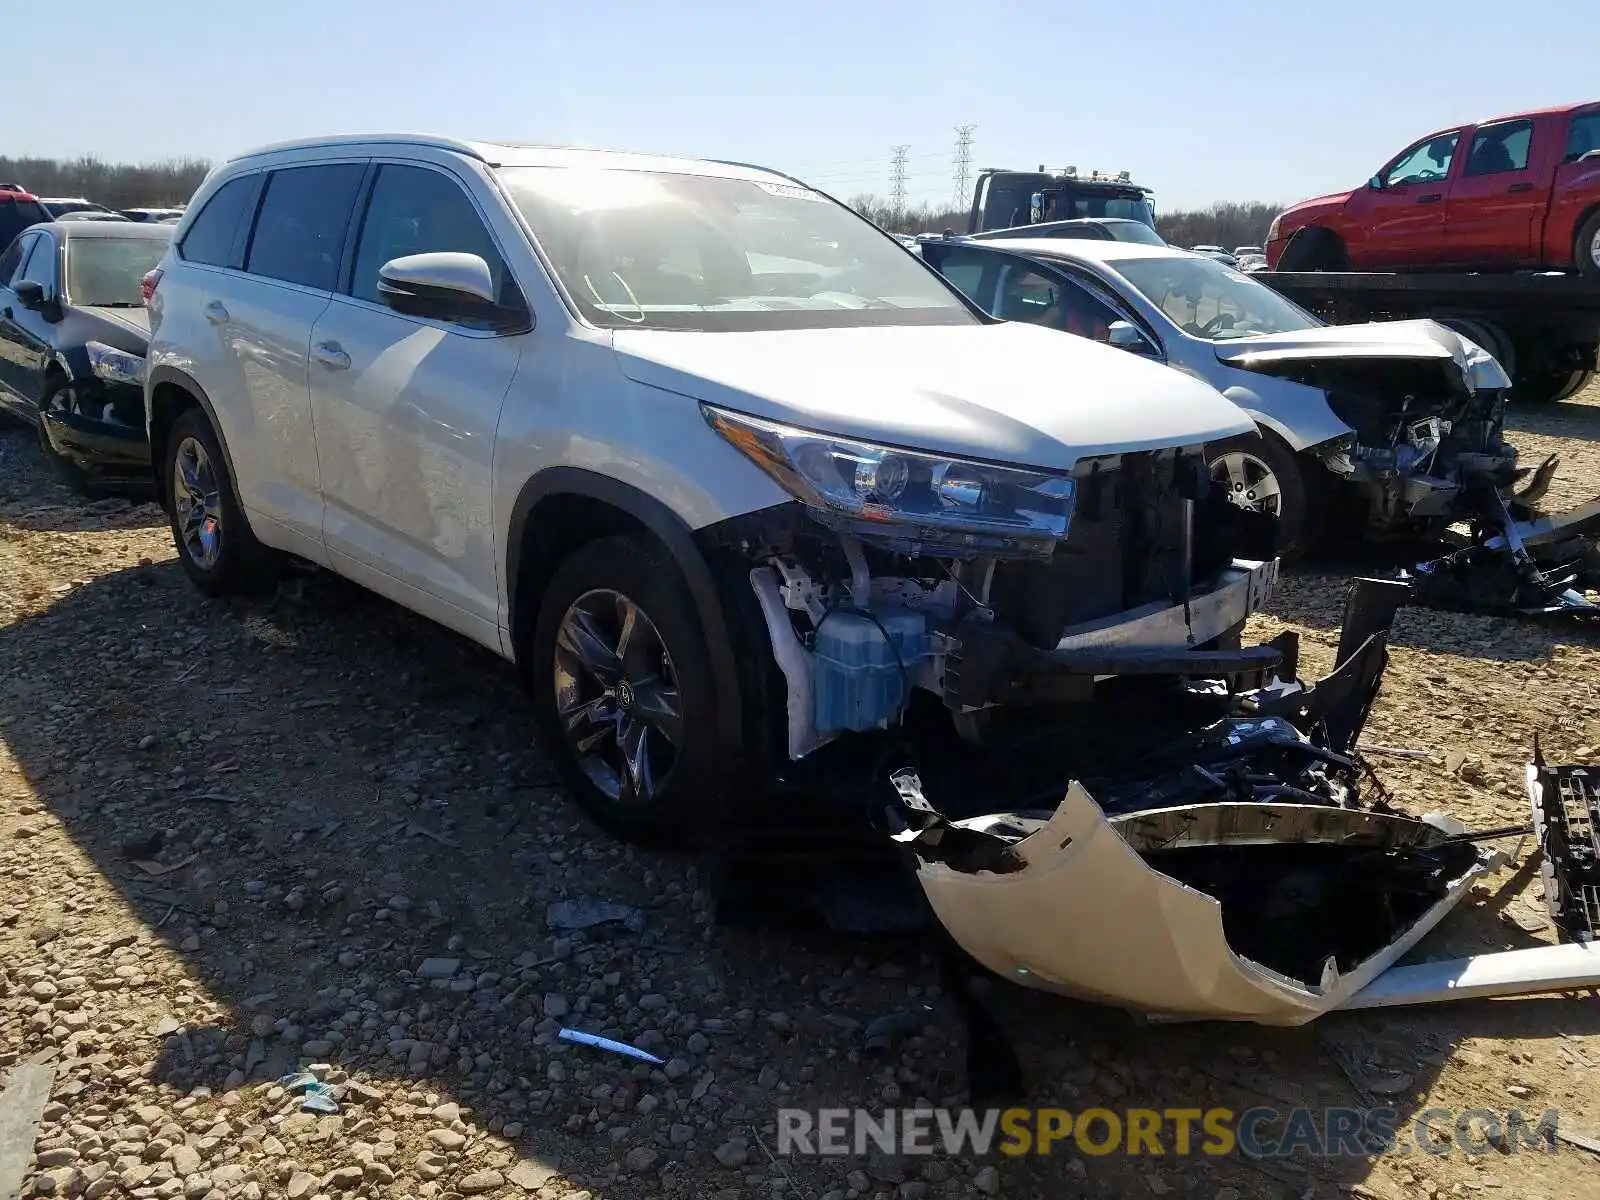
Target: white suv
726, 470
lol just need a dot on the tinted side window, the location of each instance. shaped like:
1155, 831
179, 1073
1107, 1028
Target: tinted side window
299, 233
213, 236
417, 211
965, 269
1583, 136
1059, 303
12, 259
40, 265
1500, 148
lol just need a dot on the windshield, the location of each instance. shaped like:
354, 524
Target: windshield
105, 272
1134, 231
665, 250
1209, 300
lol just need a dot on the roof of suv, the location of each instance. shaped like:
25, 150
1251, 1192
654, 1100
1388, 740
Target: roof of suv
514, 154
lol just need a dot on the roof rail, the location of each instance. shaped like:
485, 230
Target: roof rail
353, 139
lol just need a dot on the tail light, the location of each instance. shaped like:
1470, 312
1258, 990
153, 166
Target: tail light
147, 284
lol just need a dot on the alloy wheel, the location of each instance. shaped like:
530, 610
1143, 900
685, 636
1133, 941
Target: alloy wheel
1249, 482
197, 503
1594, 248
617, 696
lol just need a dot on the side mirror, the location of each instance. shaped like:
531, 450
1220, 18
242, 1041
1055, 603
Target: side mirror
30, 294
1376, 183
443, 285
1124, 335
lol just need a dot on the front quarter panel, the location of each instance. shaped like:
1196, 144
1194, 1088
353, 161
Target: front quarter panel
571, 406
1297, 413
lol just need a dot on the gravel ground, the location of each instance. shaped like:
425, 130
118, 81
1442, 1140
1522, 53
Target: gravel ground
236, 840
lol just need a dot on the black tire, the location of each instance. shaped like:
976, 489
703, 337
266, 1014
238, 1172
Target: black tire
1302, 490
1546, 388
239, 564
686, 777
1314, 249
62, 467
1586, 247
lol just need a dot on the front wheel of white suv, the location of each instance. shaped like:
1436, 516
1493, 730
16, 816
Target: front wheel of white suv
215, 544
623, 692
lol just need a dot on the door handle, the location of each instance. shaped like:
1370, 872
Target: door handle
1430, 198
331, 356
216, 313
1520, 187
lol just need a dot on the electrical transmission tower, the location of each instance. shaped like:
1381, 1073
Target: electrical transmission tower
963, 163
897, 180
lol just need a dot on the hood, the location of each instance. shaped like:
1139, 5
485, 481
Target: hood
1006, 392
135, 319
1412, 340
1316, 205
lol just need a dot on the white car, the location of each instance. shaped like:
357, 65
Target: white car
1399, 416
722, 503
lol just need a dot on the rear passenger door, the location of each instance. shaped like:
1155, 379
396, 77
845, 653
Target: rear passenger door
260, 262
1496, 205
406, 409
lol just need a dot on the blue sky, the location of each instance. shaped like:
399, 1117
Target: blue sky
1233, 99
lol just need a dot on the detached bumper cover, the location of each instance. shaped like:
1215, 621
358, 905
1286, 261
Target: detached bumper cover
96, 443
1084, 915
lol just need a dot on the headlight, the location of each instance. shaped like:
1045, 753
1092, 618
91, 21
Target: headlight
115, 366
844, 480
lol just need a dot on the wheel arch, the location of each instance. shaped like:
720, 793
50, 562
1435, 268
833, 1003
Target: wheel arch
563, 508
169, 393
1584, 218
1309, 244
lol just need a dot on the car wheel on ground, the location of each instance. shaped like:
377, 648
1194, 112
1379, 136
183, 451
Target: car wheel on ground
1548, 388
622, 690
214, 541
62, 398
1587, 250
1261, 474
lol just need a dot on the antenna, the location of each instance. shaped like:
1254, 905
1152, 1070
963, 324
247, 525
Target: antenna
963, 163
897, 180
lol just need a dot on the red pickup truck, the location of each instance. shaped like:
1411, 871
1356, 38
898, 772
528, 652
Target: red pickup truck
1512, 193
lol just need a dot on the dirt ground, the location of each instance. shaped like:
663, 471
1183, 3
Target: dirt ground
231, 836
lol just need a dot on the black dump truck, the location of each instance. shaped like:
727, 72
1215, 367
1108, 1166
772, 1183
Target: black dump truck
1005, 199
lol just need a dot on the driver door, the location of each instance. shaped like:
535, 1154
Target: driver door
1402, 220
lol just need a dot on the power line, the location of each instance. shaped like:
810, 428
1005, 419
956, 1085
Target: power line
897, 180
963, 162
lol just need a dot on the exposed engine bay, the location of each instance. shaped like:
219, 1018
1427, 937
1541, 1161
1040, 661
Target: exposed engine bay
862, 616
1421, 434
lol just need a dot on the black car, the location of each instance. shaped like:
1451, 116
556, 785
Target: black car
73, 337
18, 210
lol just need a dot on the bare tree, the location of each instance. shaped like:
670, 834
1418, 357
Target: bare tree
116, 185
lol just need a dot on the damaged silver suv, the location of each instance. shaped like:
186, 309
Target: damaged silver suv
724, 469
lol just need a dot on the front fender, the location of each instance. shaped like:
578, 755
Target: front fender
1298, 414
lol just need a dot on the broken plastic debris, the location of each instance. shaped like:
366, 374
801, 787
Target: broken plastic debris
584, 914
301, 1079
319, 1098
601, 1043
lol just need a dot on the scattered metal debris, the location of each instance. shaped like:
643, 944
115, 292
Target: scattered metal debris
1514, 562
580, 1038
586, 914
1566, 820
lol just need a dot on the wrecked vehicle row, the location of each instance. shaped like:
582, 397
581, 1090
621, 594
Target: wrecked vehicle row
764, 530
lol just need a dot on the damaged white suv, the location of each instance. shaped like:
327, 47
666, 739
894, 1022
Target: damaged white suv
721, 466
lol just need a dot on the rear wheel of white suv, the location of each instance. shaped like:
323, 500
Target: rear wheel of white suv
215, 544
623, 692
